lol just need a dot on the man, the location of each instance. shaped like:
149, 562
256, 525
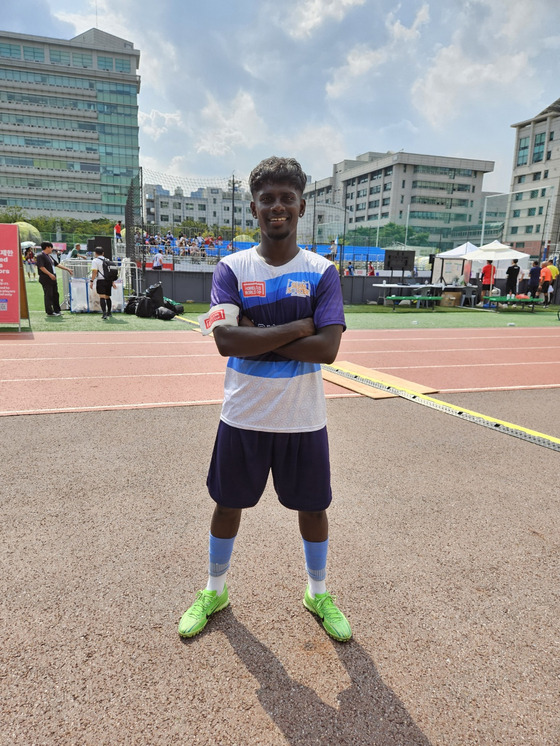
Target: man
46, 268
158, 260
102, 285
554, 271
488, 276
118, 231
277, 312
75, 253
534, 279
545, 280
512, 275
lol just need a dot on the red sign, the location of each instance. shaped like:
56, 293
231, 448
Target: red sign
218, 315
254, 289
9, 275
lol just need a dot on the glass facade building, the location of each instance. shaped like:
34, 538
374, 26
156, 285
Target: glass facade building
68, 124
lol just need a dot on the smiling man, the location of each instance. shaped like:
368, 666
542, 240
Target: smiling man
277, 313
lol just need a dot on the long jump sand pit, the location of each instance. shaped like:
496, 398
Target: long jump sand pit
444, 555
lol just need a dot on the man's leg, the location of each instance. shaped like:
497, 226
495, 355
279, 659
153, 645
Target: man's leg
56, 298
48, 297
223, 530
314, 528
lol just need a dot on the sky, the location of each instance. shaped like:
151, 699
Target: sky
226, 83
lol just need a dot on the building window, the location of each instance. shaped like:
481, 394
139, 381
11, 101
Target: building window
363, 179
386, 201
543, 192
34, 54
10, 50
375, 189
373, 204
122, 66
403, 184
521, 179
387, 186
176, 205
523, 152
516, 213
177, 218
361, 193
537, 228
202, 208
389, 171
360, 206
541, 208
82, 60
104, 63
59, 57
534, 194
528, 229
545, 175
537, 176
164, 204
164, 218
518, 196
531, 211
513, 230
538, 147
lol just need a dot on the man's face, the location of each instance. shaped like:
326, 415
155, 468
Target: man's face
277, 207
48, 250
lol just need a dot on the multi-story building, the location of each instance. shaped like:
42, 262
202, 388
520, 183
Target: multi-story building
427, 193
211, 205
68, 124
533, 216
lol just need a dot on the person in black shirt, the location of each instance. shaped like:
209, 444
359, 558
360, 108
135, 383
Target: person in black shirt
47, 277
512, 273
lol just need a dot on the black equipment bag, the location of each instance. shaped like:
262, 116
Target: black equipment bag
131, 304
155, 292
165, 314
177, 308
145, 308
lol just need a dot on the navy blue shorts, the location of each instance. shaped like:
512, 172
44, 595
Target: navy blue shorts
242, 460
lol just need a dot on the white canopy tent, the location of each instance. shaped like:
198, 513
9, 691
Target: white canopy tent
501, 255
449, 265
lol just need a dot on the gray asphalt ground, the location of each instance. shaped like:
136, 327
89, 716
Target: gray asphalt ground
444, 556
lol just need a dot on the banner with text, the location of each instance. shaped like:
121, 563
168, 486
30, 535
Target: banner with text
9, 275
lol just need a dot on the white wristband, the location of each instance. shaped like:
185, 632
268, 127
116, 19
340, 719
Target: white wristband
224, 314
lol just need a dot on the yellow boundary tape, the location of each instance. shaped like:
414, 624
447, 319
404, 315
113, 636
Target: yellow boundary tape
482, 419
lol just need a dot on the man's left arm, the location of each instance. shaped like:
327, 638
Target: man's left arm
321, 347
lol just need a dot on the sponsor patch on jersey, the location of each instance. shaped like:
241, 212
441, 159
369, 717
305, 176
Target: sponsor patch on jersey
214, 316
253, 289
298, 288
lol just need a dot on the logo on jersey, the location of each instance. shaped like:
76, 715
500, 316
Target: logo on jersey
298, 288
253, 289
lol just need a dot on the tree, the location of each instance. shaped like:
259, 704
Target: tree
14, 215
388, 234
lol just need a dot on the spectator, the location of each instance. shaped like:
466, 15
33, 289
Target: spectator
512, 274
158, 260
30, 264
46, 268
545, 280
534, 279
102, 285
118, 231
554, 275
488, 277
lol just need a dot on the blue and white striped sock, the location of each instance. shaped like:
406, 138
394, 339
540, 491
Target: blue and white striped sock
219, 555
316, 565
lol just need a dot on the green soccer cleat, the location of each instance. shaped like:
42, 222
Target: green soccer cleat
335, 623
196, 617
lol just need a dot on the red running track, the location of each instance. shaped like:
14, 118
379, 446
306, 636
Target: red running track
52, 372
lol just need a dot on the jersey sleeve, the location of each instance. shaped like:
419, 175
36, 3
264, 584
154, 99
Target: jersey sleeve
224, 286
329, 308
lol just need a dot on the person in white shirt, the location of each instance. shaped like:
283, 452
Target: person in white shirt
103, 286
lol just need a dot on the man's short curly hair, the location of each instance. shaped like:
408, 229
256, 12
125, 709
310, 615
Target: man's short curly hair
273, 170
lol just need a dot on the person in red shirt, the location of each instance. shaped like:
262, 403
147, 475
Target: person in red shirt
545, 280
488, 277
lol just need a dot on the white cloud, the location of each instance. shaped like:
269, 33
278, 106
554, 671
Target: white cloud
158, 123
308, 15
455, 78
401, 33
230, 124
362, 59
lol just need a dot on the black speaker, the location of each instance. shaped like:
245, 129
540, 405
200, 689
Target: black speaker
106, 244
91, 244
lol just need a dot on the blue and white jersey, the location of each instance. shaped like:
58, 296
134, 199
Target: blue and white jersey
269, 392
